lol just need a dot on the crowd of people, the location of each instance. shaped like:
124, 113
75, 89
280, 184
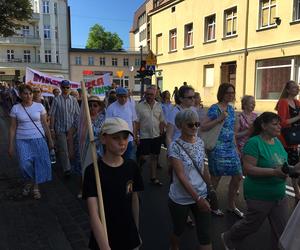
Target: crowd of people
129, 136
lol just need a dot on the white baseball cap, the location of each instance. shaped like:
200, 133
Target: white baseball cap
114, 125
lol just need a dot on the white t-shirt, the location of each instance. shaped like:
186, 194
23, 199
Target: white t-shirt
177, 192
125, 112
25, 127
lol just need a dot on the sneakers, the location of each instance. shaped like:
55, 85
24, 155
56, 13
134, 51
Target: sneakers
217, 212
236, 212
224, 243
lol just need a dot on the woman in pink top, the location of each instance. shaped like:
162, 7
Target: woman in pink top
245, 121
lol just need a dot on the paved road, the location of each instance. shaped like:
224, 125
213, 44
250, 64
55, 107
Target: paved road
59, 220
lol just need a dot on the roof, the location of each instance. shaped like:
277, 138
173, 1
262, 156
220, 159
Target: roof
83, 50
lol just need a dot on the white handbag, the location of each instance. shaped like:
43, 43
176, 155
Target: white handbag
211, 136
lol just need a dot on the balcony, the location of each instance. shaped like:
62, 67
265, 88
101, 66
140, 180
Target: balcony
21, 63
35, 17
21, 40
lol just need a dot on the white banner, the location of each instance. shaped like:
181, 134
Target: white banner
100, 84
46, 82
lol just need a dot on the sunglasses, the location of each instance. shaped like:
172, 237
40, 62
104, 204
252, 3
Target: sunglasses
65, 87
192, 125
189, 97
94, 105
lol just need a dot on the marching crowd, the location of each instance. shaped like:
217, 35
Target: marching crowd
129, 136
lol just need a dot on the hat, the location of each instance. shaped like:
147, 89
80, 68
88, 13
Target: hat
65, 83
121, 91
94, 98
114, 125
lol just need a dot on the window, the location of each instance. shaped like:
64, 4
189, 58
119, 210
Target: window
48, 56
173, 40
55, 8
271, 76
126, 82
56, 32
210, 28
267, 13
155, 3
209, 72
57, 56
90, 60
47, 32
142, 35
188, 35
125, 62
158, 44
114, 62
27, 56
38, 56
141, 19
230, 22
46, 7
296, 15
173, 9
137, 62
10, 55
102, 61
25, 31
78, 60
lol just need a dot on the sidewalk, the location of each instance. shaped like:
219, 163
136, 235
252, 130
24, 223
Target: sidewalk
58, 221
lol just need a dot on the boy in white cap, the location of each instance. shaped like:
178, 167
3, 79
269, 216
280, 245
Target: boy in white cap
120, 182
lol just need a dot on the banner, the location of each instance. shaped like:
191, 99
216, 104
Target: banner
46, 82
100, 85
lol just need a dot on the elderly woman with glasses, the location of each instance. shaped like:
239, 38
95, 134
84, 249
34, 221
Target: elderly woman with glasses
223, 159
188, 191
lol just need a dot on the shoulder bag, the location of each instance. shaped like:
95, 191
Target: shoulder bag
211, 192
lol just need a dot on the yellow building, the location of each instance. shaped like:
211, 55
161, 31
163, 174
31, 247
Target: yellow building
121, 65
255, 45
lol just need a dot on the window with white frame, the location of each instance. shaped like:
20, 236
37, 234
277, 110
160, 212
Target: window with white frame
272, 75
210, 28
90, 60
141, 19
47, 32
48, 56
10, 55
27, 57
142, 35
137, 62
114, 62
173, 40
55, 8
57, 56
102, 61
26, 31
155, 3
188, 35
230, 22
46, 7
209, 75
296, 14
125, 62
267, 13
78, 60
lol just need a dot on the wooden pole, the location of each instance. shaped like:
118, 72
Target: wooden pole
94, 157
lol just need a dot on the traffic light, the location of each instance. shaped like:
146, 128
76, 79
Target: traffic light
143, 71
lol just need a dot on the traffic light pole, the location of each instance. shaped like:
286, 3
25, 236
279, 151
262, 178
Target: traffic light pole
142, 78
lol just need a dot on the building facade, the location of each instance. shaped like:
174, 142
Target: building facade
251, 44
42, 43
86, 64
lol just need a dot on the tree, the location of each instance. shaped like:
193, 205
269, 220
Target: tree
104, 40
12, 13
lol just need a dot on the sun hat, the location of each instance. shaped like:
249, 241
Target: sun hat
114, 125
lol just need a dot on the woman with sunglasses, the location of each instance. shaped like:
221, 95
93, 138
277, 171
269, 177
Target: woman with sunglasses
28, 131
37, 97
223, 159
188, 191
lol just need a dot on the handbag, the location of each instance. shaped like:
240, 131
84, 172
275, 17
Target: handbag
211, 192
291, 135
210, 137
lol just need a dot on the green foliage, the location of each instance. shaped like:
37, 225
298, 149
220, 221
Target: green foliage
104, 40
12, 12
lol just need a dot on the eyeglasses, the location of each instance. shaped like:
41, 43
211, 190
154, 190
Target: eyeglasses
192, 125
189, 97
94, 105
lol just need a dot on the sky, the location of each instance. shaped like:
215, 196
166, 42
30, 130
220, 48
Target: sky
114, 15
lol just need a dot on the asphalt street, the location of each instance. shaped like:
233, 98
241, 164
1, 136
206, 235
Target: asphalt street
60, 221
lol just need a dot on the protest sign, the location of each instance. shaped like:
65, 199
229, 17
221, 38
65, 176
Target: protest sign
100, 84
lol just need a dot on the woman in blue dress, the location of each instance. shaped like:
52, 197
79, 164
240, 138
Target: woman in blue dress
223, 159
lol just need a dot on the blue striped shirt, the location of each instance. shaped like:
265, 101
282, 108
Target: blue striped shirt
66, 113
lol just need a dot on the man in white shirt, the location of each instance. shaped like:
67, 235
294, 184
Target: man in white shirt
150, 124
123, 109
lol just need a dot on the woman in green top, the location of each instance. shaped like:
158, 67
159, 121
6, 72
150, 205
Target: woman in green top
264, 186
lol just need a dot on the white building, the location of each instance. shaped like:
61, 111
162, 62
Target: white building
42, 43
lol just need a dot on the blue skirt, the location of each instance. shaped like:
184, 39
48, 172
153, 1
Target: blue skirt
34, 160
